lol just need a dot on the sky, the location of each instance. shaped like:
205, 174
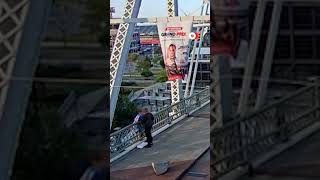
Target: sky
157, 8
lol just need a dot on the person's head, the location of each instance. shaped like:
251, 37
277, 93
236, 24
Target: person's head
139, 110
145, 110
171, 51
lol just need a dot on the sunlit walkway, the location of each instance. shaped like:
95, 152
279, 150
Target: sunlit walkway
182, 142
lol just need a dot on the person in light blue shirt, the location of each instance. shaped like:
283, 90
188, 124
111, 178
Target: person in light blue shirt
138, 119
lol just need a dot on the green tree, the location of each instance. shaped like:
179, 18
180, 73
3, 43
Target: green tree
156, 60
157, 50
143, 66
133, 57
161, 76
146, 73
124, 112
162, 63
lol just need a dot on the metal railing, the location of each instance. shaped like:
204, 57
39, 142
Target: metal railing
245, 138
129, 135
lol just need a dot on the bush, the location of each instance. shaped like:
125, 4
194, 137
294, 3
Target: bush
162, 63
146, 73
124, 112
161, 76
133, 57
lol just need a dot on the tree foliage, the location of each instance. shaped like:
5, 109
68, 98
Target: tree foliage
162, 63
124, 112
156, 60
146, 73
133, 57
143, 66
161, 76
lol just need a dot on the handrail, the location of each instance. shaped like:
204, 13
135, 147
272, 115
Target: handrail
129, 135
264, 108
244, 138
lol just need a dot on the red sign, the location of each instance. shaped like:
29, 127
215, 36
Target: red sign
149, 41
174, 39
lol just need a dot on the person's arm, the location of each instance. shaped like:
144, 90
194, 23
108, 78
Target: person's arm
136, 119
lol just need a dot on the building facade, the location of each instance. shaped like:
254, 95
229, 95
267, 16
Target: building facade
135, 41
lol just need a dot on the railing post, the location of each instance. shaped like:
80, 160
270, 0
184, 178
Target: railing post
198, 100
186, 106
281, 120
316, 91
315, 95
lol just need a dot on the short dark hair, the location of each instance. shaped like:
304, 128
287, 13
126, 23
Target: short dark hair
172, 45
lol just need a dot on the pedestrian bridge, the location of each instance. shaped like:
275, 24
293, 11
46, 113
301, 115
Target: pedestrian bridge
180, 145
272, 142
277, 141
180, 133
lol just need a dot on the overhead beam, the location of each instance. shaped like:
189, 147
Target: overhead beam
294, 1
198, 19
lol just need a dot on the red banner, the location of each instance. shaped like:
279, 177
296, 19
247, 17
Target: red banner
174, 39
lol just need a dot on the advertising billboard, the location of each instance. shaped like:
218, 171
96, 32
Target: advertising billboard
230, 31
174, 41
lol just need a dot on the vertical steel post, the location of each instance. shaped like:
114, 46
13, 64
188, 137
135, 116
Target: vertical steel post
268, 56
120, 52
253, 49
176, 86
29, 20
186, 92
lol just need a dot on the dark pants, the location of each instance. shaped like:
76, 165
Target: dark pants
148, 134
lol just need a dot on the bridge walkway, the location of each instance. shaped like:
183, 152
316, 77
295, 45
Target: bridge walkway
180, 145
301, 162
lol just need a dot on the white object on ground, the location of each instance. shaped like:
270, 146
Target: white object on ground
142, 145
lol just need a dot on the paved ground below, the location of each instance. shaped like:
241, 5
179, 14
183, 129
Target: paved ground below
179, 145
200, 170
301, 162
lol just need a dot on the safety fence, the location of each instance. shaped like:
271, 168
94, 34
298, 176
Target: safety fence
245, 138
131, 134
